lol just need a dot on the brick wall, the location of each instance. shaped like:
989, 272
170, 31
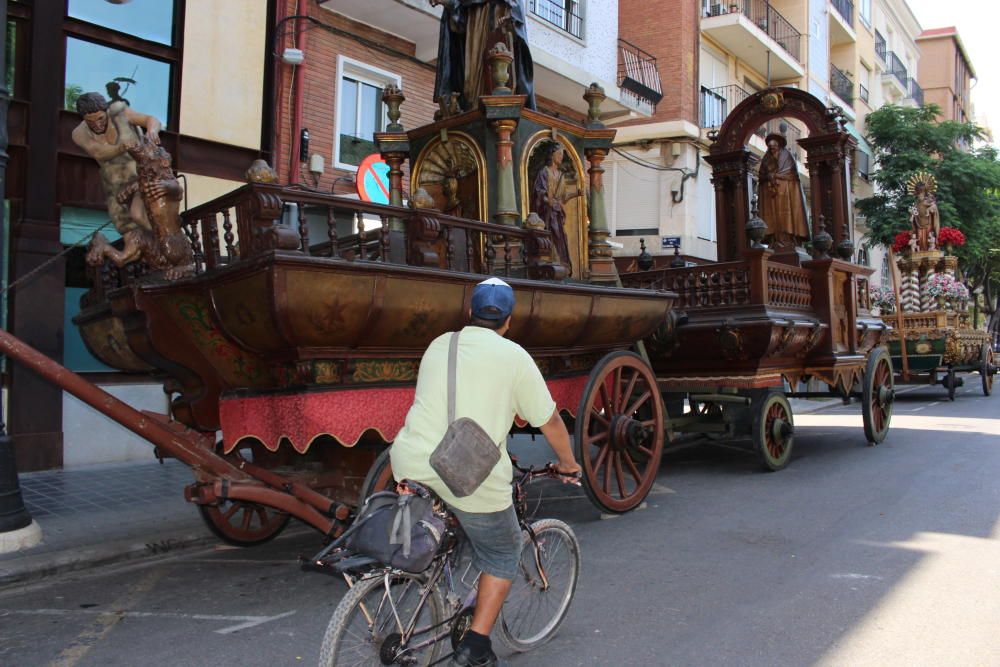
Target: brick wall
341, 36
669, 30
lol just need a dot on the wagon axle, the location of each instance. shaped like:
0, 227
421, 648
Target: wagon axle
628, 433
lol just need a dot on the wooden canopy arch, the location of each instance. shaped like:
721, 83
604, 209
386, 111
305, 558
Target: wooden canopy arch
828, 147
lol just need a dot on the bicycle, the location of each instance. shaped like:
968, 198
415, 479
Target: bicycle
391, 617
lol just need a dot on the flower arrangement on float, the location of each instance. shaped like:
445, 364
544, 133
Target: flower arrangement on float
947, 290
882, 298
901, 242
949, 236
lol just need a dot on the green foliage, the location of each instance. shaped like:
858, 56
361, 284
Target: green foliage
72, 94
909, 140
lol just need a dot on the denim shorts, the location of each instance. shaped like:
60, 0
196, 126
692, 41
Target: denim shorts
496, 540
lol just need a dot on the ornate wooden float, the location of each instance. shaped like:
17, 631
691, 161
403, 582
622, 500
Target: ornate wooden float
752, 328
299, 331
933, 339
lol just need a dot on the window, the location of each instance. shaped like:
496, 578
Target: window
564, 14
147, 19
865, 82
885, 272
360, 111
865, 12
143, 82
863, 164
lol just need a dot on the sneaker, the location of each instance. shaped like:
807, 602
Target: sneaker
463, 658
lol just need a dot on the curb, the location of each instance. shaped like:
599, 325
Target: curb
31, 568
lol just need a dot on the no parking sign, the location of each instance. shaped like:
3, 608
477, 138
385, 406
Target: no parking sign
373, 179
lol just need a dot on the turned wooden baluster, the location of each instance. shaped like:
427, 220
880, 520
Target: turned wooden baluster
490, 252
210, 229
360, 219
227, 236
449, 248
303, 229
331, 231
199, 254
506, 255
383, 240
468, 251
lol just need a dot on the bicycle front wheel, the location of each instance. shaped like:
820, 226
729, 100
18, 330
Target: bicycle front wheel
543, 588
384, 621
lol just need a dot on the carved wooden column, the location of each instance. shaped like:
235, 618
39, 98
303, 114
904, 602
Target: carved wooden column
394, 145
597, 144
731, 178
507, 212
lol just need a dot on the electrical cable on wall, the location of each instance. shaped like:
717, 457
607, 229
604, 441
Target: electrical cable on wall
677, 196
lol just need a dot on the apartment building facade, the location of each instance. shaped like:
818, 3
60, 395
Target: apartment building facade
946, 73
855, 56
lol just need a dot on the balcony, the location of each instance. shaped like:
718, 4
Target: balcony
564, 66
841, 22
841, 86
638, 77
916, 93
716, 103
880, 48
895, 77
791, 133
757, 34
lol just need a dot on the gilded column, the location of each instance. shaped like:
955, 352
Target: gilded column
602, 267
507, 212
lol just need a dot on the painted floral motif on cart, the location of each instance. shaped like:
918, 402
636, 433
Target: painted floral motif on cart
237, 368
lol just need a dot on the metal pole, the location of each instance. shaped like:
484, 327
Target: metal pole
13, 514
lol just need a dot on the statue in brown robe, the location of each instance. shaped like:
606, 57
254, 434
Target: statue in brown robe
782, 204
551, 190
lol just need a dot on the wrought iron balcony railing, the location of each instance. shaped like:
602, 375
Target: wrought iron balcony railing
846, 9
716, 103
841, 86
765, 17
880, 47
638, 75
565, 15
916, 92
791, 133
897, 69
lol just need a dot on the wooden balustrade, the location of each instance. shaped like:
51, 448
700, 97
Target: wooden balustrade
265, 223
789, 287
708, 286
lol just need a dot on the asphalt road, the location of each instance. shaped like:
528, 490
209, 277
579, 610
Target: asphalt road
853, 555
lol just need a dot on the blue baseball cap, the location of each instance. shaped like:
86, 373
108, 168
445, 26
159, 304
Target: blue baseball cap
492, 299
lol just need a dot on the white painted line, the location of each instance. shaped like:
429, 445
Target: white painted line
854, 576
244, 621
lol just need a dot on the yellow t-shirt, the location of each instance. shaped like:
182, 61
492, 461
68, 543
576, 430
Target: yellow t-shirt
495, 379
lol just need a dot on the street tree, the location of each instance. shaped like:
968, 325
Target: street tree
908, 140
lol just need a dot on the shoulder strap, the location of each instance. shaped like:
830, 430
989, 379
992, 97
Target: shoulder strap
452, 370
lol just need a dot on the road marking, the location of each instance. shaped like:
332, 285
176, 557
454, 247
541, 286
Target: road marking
244, 621
854, 575
105, 622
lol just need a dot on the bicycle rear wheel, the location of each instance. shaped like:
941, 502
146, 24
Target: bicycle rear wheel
364, 629
533, 611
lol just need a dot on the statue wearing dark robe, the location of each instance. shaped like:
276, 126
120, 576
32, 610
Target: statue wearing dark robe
466, 30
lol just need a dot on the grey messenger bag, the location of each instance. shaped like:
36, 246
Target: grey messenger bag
466, 454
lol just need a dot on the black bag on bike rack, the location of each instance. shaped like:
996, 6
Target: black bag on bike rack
399, 530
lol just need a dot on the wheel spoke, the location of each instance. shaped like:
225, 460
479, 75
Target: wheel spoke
247, 517
594, 413
632, 468
620, 476
603, 392
596, 437
627, 394
639, 402
607, 474
616, 389
601, 456
228, 514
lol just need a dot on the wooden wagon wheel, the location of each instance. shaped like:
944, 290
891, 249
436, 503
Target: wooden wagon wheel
619, 432
379, 477
987, 368
240, 523
878, 395
773, 431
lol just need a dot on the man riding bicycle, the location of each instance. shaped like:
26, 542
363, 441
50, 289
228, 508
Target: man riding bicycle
496, 379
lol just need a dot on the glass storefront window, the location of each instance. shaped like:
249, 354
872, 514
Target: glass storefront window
143, 82
147, 19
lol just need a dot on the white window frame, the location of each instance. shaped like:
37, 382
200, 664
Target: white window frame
365, 73
865, 19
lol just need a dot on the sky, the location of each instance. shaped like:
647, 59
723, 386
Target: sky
977, 22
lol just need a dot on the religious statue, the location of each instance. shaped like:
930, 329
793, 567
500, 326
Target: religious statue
468, 29
552, 188
143, 195
924, 219
782, 203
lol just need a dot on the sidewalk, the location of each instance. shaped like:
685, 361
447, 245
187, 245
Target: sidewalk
102, 515
113, 513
